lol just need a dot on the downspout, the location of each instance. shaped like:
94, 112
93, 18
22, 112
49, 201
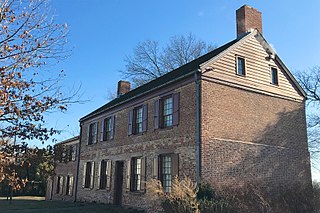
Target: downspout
197, 76
78, 166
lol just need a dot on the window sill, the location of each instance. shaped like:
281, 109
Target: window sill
275, 85
137, 134
107, 141
136, 192
241, 75
165, 128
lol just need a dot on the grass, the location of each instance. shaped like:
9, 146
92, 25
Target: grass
38, 205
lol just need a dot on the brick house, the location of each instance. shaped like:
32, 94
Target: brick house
233, 115
61, 186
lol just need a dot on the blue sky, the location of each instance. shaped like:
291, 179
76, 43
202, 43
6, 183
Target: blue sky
102, 32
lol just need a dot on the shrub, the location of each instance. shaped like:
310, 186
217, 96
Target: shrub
182, 198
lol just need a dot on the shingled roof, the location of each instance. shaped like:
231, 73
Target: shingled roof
170, 77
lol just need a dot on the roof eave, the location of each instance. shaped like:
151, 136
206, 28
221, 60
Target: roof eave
101, 110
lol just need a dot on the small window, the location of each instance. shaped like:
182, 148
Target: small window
69, 185
136, 174
105, 174
92, 133
167, 111
71, 153
59, 182
88, 172
108, 129
274, 76
166, 172
138, 120
241, 66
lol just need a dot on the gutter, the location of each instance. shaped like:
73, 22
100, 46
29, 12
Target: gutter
78, 166
197, 77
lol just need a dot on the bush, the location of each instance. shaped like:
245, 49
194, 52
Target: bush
182, 198
187, 197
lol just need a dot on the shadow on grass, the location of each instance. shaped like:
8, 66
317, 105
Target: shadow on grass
37, 206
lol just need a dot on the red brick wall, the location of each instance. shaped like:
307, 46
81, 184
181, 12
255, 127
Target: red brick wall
248, 18
178, 139
248, 136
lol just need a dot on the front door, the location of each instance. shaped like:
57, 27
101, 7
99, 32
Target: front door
118, 182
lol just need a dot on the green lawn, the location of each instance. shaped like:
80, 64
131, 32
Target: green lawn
38, 205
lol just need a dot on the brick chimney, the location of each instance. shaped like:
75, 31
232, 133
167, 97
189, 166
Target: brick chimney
248, 19
123, 87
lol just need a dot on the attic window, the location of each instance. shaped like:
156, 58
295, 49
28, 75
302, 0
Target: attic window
241, 66
274, 76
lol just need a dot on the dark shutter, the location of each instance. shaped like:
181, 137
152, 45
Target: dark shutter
128, 178
130, 124
143, 174
155, 170
109, 167
112, 127
96, 132
175, 165
175, 114
156, 114
102, 132
88, 134
145, 118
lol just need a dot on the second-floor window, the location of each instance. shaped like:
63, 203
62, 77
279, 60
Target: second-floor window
107, 127
138, 120
71, 152
166, 111
241, 66
92, 133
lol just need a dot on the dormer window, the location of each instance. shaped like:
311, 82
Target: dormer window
274, 76
241, 66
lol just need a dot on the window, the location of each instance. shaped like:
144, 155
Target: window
241, 66
274, 76
105, 174
59, 183
92, 133
74, 152
107, 132
71, 153
166, 111
135, 174
88, 174
138, 120
166, 172
168, 168
69, 185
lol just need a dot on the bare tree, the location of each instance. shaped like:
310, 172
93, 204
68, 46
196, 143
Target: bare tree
29, 40
149, 61
310, 81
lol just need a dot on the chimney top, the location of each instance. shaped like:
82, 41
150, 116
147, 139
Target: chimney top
123, 88
248, 18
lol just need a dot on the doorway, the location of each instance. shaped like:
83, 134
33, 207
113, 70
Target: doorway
118, 182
